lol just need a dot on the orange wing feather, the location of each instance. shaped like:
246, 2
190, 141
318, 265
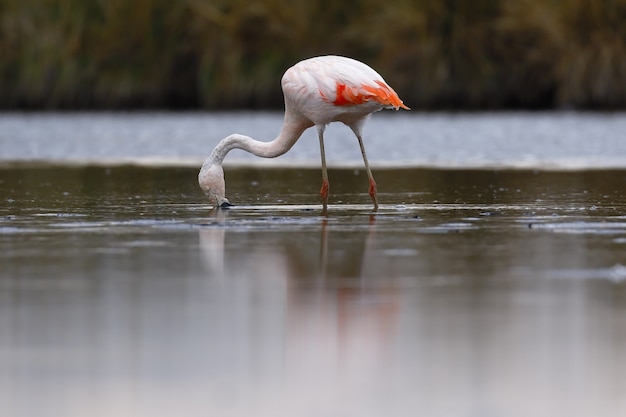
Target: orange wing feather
383, 94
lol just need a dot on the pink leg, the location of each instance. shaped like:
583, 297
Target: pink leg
372, 188
324, 192
325, 184
373, 192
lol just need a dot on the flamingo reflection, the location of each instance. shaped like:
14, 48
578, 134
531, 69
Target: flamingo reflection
336, 311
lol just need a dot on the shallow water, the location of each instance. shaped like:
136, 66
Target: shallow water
470, 293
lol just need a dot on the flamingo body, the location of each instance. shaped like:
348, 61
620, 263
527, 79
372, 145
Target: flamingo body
317, 91
328, 89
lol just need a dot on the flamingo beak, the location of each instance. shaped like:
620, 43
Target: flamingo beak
221, 202
226, 204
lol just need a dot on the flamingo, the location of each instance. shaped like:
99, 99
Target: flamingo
317, 91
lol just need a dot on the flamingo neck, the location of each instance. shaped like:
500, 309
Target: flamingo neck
291, 131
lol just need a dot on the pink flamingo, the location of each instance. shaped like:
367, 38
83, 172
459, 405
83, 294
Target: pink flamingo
317, 91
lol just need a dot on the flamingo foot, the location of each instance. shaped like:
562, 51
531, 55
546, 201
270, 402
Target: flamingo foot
373, 193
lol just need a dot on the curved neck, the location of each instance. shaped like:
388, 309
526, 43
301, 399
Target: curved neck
289, 134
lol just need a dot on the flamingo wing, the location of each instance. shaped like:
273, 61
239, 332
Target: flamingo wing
347, 82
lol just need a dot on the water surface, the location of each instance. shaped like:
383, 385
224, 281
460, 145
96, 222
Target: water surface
470, 293
565, 140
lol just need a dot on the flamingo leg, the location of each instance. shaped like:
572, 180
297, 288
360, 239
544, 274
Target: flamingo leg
325, 184
373, 192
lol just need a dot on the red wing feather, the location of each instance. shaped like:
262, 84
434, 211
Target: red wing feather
383, 94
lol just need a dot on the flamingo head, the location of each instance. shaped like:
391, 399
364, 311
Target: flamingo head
211, 181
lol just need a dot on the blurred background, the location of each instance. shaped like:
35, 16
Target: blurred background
215, 54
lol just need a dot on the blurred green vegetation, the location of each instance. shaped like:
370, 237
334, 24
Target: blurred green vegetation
211, 54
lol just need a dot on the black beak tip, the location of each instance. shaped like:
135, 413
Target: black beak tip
226, 204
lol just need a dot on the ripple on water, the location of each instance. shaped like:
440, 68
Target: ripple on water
12, 230
616, 273
583, 227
